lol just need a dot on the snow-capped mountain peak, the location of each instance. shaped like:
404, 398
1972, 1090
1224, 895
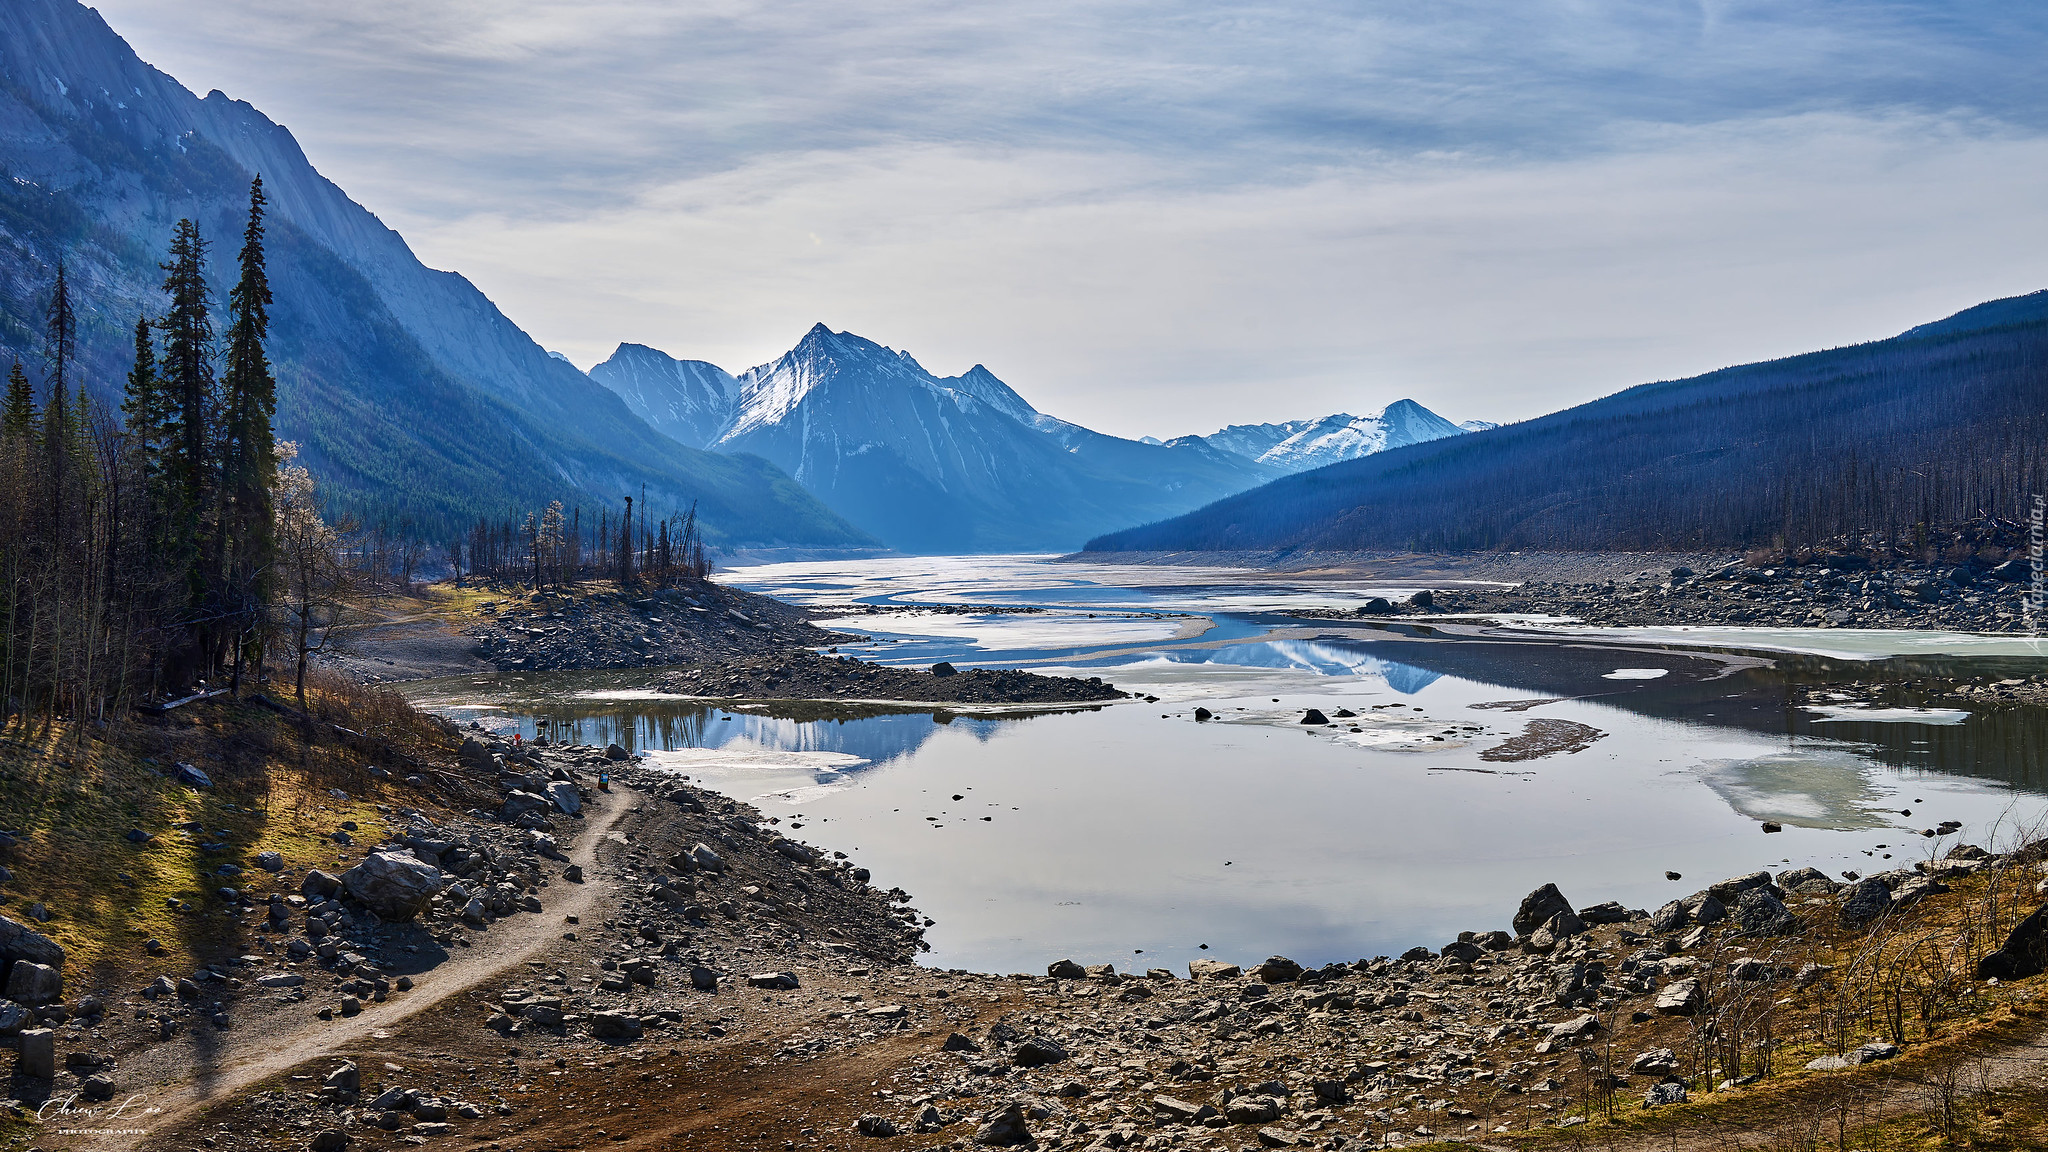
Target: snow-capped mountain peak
1299, 445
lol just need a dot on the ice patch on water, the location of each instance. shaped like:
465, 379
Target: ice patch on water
1833, 713
1636, 673
749, 757
1836, 643
1829, 788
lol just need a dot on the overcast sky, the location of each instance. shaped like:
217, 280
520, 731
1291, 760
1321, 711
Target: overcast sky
1165, 217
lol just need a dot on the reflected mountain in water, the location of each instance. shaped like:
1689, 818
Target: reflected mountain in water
1325, 658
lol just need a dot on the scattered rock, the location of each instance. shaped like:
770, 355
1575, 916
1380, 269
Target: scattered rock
394, 886
1538, 907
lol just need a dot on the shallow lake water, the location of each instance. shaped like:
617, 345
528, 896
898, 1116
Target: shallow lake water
1134, 833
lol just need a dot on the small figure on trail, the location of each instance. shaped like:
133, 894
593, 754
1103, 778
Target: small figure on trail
518, 740
604, 781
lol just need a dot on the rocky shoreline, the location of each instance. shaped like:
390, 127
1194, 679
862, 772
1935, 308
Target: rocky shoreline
1960, 598
770, 984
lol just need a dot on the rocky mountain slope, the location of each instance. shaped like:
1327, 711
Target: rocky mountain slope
1883, 441
411, 395
922, 462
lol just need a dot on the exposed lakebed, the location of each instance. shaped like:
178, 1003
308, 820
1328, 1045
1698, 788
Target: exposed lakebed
1135, 833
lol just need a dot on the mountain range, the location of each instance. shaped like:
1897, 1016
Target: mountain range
418, 403
1940, 425
413, 398
922, 462
1299, 445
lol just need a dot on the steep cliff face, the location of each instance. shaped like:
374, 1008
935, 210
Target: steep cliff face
414, 397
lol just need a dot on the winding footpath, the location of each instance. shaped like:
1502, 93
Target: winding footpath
264, 1053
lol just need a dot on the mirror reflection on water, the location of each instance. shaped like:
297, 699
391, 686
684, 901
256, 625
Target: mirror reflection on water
1133, 833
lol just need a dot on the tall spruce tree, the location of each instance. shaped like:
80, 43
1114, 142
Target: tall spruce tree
18, 423
249, 452
59, 436
187, 374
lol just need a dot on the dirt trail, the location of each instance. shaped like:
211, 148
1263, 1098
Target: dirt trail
511, 941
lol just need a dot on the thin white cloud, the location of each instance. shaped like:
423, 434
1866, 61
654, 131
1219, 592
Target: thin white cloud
1158, 216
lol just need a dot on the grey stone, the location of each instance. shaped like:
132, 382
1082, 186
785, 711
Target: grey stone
1866, 901
1680, 998
1181, 1111
395, 887
32, 983
1855, 1057
329, 1140
772, 980
1760, 914
1277, 970
1609, 913
1705, 908
707, 858
565, 797
1792, 878
1538, 907
1670, 918
2024, 953
873, 1125
1213, 970
1258, 1109
1066, 970
1669, 1092
614, 752
1727, 890
1655, 1062
36, 1053
345, 1078
615, 1026
20, 942
270, 861
1037, 1052
1004, 1126
14, 1017
321, 884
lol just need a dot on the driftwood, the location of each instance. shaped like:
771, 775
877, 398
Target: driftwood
160, 709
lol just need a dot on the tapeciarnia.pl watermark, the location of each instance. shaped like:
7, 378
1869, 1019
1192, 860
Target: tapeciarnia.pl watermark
2037, 590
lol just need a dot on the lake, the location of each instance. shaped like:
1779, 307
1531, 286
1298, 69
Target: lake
1136, 834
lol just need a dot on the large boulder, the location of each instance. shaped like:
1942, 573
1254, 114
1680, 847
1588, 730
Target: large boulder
1277, 970
1761, 914
2025, 952
1868, 900
20, 942
394, 886
615, 1026
565, 797
1004, 1126
1213, 970
32, 983
1538, 907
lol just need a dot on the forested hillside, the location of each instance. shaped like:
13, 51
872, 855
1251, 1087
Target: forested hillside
1946, 422
415, 401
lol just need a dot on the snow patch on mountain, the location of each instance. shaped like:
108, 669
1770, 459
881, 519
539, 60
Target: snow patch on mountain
1299, 445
